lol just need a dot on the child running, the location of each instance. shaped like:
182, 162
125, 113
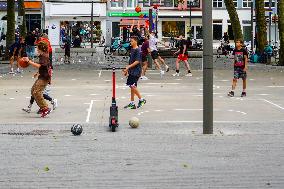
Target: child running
153, 42
240, 67
133, 70
44, 78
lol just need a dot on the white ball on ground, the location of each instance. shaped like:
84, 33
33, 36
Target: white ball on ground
134, 122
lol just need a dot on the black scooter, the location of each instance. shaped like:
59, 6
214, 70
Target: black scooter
113, 118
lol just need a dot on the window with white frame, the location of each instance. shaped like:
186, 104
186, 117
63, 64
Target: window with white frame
116, 3
266, 3
218, 3
131, 3
236, 3
246, 3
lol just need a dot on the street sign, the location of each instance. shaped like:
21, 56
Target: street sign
20, 20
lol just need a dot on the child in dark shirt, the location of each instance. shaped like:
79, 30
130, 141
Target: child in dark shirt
133, 70
240, 67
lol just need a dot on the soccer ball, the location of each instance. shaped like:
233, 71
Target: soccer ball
134, 122
76, 129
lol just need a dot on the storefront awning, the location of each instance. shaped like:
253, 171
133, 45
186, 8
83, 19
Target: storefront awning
28, 5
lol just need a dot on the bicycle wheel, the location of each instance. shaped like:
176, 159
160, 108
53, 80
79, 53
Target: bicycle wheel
122, 51
107, 51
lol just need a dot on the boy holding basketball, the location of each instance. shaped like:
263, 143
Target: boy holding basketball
133, 70
44, 77
240, 67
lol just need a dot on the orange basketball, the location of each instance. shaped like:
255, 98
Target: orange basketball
23, 63
138, 9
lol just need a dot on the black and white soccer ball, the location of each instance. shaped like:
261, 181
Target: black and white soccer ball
76, 129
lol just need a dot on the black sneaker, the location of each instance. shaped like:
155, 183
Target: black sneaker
231, 94
141, 103
130, 106
244, 94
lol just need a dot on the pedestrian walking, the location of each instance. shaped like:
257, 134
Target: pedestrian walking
145, 56
30, 42
15, 52
67, 50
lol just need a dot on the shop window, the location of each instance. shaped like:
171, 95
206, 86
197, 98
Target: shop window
33, 21
199, 32
230, 32
247, 33
80, 30
173, 28
115, 29
217, 32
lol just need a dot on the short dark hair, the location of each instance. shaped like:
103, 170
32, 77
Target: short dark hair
240, 40
134, 38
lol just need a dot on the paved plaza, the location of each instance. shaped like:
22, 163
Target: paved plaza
168, 150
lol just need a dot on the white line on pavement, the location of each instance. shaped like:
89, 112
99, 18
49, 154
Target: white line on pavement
89, 111
273, 104
275, 86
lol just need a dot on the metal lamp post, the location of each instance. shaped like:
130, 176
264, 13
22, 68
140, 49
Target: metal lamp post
252, 27
207, 67
190, 9
92, 25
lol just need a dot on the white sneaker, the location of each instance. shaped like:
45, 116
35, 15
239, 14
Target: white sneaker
28, 110
144, 78
176, 75
18, 70
167, 69
162, 72
189, 75
54, 104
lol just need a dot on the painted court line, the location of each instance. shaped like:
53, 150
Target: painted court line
273, 104
146, 122
89, 111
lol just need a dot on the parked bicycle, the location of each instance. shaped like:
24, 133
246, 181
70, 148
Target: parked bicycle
197, 44
122, 47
